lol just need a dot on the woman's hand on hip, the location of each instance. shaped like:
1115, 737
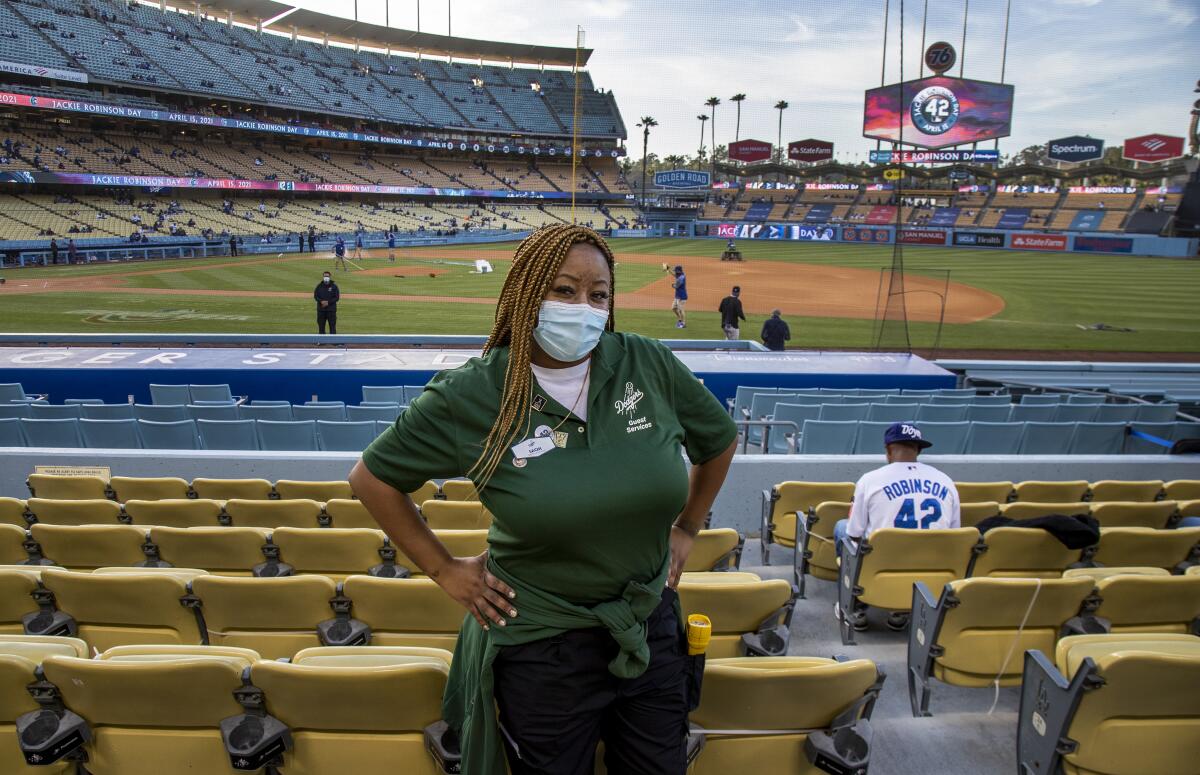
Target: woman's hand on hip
467, 580
681, 547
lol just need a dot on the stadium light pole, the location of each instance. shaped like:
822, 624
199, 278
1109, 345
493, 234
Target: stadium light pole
702, 118
737, 127
712, 103
645, 124
781, 106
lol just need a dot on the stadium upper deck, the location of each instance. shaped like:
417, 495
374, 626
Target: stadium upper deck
165, 52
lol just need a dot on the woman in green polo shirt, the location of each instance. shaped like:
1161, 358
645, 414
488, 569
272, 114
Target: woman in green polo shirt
573, 436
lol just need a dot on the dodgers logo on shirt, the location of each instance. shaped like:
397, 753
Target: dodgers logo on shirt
628, 406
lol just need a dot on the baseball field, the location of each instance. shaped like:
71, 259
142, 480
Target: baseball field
989, 301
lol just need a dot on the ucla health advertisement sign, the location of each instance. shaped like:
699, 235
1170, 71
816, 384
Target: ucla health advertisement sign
775, 231
1074, 149
682, 179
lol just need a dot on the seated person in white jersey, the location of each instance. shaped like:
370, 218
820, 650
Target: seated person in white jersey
904, 493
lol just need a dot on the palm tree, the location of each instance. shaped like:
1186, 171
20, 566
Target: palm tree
645, 124
737, 129
780, 106
712, 103
700, 156
674, 161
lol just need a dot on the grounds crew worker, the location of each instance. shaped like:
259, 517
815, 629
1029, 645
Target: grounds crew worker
327, 295
572, 433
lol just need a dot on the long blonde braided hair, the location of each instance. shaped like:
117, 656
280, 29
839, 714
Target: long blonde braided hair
534, 267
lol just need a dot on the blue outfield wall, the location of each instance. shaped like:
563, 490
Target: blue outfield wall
338, 374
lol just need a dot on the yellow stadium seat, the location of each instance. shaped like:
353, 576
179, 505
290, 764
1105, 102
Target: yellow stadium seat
1182, 490
1189, 508
405, 612
1112, 705
975, 632
273, 514
425, 492
455, 490
109, 610
1113, 490
788, 502
229, 489
1051, 492
456, 515
174, 512
1103, 573
185, 574
1018, 552
85, 547
340, 705
127, 488
225, 551
349, 513
274, 616
1156, 514
971, 514
1031, 509
749, 615
332, 552
17, 585
1170, 549
460, 543
67, 487
717, 549
12, 545
287, 489
1140, 603
881, 570
983, 492
12, 512
75, 512
770, 704
20, 656
816, 554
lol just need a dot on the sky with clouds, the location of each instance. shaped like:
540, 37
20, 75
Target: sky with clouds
1106, 68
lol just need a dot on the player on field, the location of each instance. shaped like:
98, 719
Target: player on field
391, 238
339, 254
358, 244
681, 295
905, 493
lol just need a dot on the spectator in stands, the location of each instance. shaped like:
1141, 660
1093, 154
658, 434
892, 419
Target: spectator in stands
775, 332
731, 313
599, 632
327, 295
905, 493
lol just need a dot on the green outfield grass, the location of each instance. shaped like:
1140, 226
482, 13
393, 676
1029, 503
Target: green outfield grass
1047, 296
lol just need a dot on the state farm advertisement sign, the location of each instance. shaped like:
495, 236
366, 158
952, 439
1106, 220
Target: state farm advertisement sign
810, 150
1153, 148
749, 150
922, 237
1039, 242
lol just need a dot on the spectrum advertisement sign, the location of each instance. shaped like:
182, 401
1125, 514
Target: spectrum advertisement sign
1074, 149
865, 234
775, 232
988, 156
979, 239
1038, 242
922, 237
939, 112
810, 150
682, 179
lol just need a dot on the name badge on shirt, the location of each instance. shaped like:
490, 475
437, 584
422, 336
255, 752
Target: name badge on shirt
533, 448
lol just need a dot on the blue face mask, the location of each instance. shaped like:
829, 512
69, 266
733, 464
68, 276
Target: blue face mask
568, 332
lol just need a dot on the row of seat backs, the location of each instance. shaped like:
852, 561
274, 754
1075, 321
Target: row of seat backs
744, 394
188, 394
263, 551
213, 410
123, 488
900, 412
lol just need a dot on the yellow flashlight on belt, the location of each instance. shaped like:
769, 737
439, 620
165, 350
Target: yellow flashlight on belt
699, 631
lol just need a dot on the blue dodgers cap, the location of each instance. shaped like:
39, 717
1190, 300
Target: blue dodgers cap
905, 433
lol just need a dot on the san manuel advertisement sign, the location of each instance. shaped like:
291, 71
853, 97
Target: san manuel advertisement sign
922, 237
1075, 149
749, 150
682, 179
979, 239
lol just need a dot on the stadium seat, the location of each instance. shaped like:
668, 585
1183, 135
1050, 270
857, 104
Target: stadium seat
17, 585
385, 413
1173, 550
12, 540
14, 411
1126, 491
20, 657
271, 514
974, 633
1051, 492
411, 392
819, 437
328, 412
170, 394
124, 609
1118, 699
1047, 438
210, 393
177, 434
229, 489
51, 433
715, 550
456, 515
1143, 603
223, 551
162, 413
127, 488
1123, 413
67, 487
287, 489
995, 438
948, 438
1018, 552
880, 571
1076, 413
12, 391
1182, 489
107, 412
458, 490
942, 413
978, 492
770, 706
742, 399
750, 616
281, 413
784, 440
1157, 412
988, 412
869, 439
1156, 515
393, 394
346, 436
460, 543
841, 412
92, 511
295, 436
382, 426
274, 616
893, 412
787, 503
1097, 438
339, 704
971, 514
1042, 413
87, 547
333, 552
220, 412
54, 411
1029, 509
346, 513
174, 512
405, 612
1041, 399
948, 400
12, 512
1103, 573
1135, 445
10, 432
110, 434
228, 434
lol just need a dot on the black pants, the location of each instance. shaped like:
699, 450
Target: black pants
326, 314
557, 700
